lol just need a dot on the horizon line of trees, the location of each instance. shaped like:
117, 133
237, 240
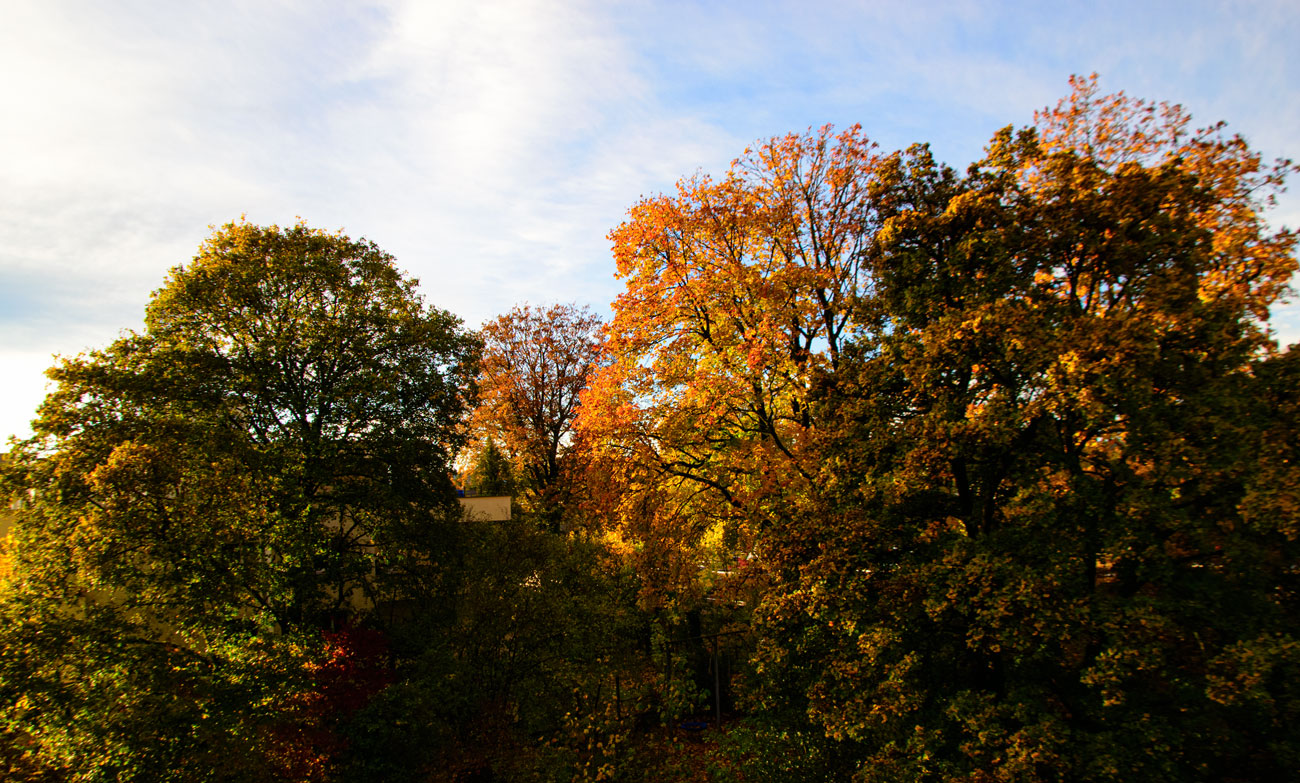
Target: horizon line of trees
899, 472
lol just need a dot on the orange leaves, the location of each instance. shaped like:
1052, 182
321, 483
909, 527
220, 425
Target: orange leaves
738, 288
536, 361
1225, 190
1111, 129
738, 296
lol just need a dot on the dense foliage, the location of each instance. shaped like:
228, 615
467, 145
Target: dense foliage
206, 496
1035, 555
897, 472
996, 438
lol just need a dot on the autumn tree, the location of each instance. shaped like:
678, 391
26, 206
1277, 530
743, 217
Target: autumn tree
996, 439
1053, 540
536, 361
202, 498
738, 292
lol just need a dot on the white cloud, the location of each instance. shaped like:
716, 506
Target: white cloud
491, 146
22, 391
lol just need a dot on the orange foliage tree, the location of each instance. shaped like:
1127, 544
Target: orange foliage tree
738, 292
536, 361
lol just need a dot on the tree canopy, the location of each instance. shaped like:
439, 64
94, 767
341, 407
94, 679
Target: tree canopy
203, 497
1030, 558
993, 436
895, 471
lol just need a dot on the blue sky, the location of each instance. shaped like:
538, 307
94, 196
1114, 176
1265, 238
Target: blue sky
490, 145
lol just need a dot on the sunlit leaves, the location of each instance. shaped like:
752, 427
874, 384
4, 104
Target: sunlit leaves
738, 292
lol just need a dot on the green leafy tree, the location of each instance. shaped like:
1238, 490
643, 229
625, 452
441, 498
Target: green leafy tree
491, 473
269, 456
534, 678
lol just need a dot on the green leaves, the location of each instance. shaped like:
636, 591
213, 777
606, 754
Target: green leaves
201, 499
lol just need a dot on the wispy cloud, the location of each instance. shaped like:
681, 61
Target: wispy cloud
490, 146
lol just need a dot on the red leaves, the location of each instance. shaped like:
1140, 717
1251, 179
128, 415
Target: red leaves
353, 670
